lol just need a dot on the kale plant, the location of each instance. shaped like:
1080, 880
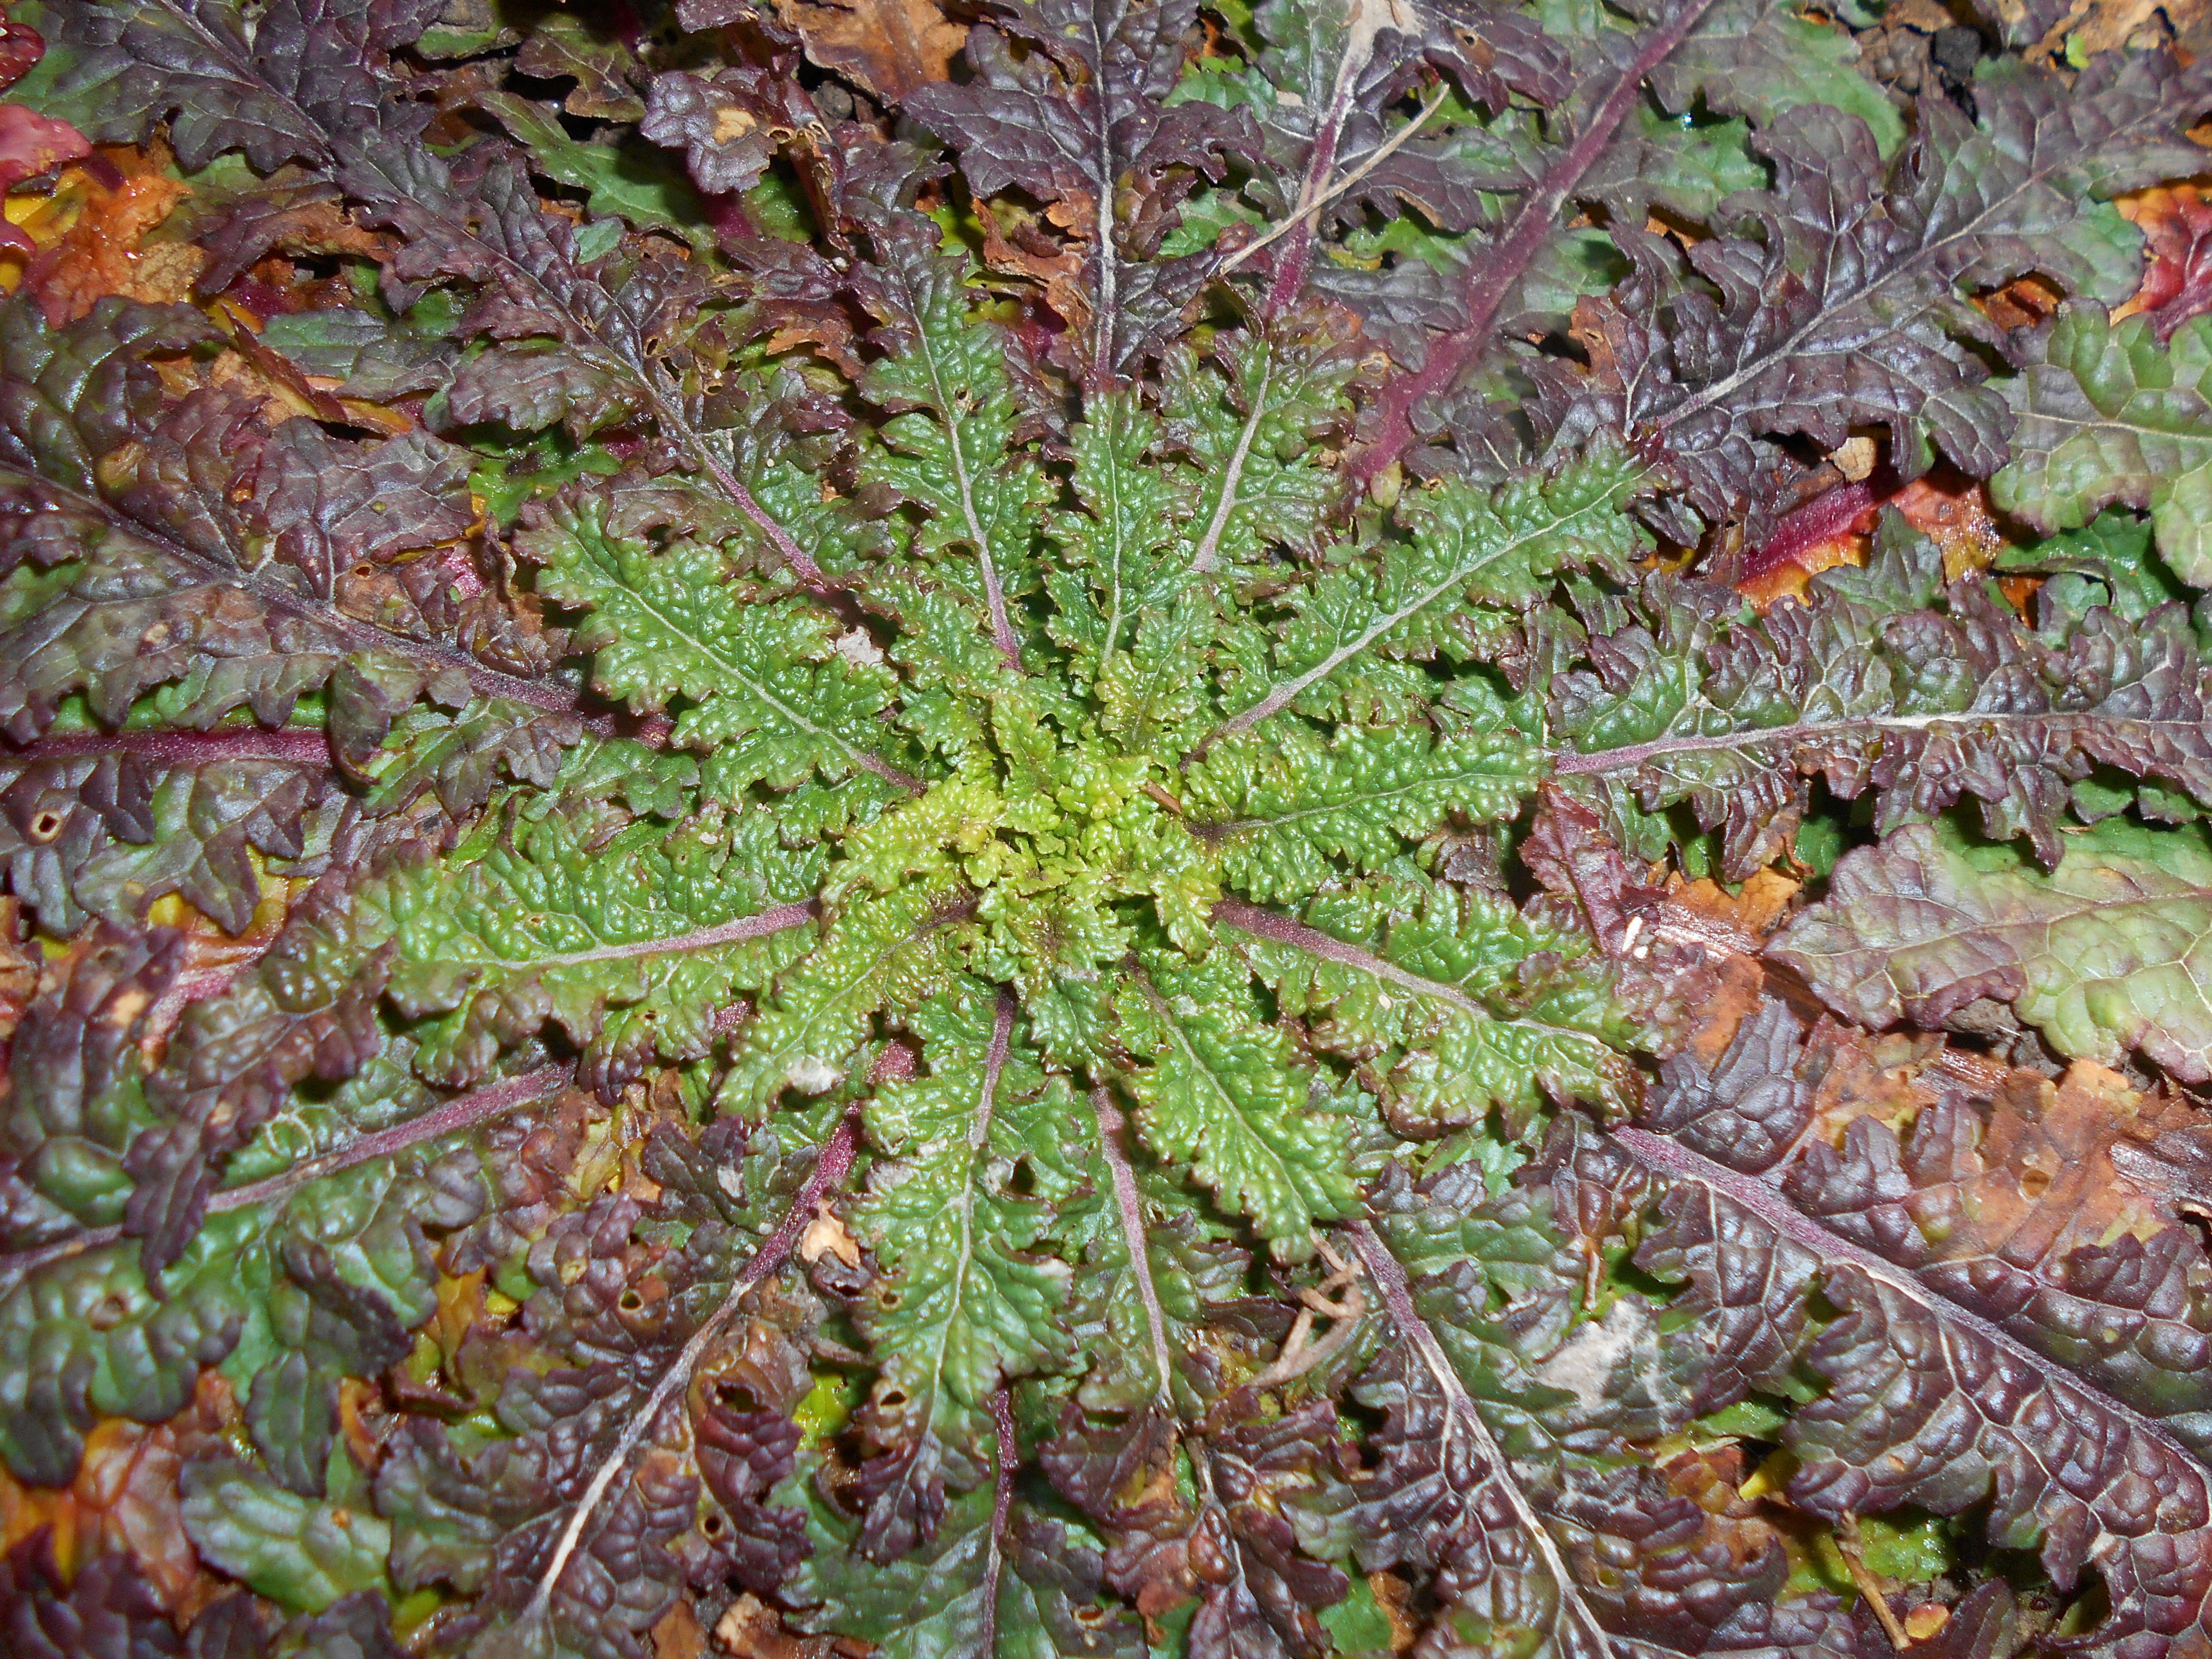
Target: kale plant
1102, 828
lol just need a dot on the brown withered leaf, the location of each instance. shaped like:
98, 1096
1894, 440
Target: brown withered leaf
1738, 984
1752, 912
2090, 27
1726, 929
291, 388
679, 1635
2175, 222
2062, 1211
890, 46
2050, 1167
1875, 1076
212, 958
1954, 513
1713, 1478
124, 1500
1685, 954
289, 215
1837, 529
102, 251
1016, 244
749, 1629
19, 967
2024, 302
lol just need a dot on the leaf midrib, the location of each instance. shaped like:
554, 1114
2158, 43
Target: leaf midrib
1760, 1202
1912, 264
1286, 691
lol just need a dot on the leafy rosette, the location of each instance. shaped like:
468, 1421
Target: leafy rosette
1101, 831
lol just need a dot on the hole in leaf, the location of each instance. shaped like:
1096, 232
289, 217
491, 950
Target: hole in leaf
2088, 1610
45, 827
631, 1301
891, 1399
2199, 1222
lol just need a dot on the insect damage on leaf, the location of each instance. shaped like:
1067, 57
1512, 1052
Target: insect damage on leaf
833, 827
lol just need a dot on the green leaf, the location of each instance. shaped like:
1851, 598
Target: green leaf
1225, 1095
917, 950
300, 1552
2108, 562
992, 1586
2111, 416
1279, 808
764, 682
949, 445
1690, 166
964, 1300
84, 1338
331, 1287
631, 937
897, 951
1111, 563
1476, 559
1456, 1003
1148, 1274
1251, 423
627, 178
1759, 58
2103, 955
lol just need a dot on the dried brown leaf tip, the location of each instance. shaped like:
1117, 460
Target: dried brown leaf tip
888, 48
